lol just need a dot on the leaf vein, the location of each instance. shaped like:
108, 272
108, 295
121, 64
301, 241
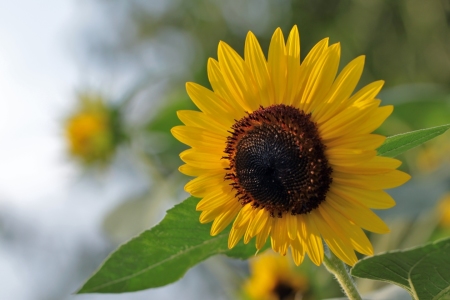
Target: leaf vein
156, 264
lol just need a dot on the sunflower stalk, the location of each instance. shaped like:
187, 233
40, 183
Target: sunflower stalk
335, 266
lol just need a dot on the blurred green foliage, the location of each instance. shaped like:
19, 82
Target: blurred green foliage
405, 41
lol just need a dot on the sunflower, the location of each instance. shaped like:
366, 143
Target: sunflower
273, 278
285, 150
91, 131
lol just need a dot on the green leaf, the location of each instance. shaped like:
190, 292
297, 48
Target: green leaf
397, 144
163, 254
423, 271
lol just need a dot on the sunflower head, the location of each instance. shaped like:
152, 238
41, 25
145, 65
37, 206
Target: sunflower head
272, 277
284, 149
91, 131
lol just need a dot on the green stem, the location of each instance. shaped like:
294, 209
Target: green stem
335, 266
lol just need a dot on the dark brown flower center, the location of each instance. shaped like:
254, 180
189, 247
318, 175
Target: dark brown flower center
284, 291
277, 161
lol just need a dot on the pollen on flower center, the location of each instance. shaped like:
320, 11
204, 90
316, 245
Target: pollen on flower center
277, 161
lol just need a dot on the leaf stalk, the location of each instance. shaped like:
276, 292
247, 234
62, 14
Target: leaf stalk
336, 267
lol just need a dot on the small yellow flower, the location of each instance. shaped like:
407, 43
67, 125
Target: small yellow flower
284, 149
89, 131
273, 278
444, 210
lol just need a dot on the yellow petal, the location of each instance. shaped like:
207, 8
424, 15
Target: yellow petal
321, 78
243, 217
344, 228
368, 92
348, 121
306, 67
215, 198
364, 141
372, 181
201, 120
220, 87
225, 218
358, 214
277, 65
233, 70
256, 61
191, 171
313, 241
258, 222
291, 223
340, 91
209, 103
204, 160
208, 215
378, 199
283, 248
235, 236
293, 65
203, 185
261, 238
298, 251
248, 236
341, 248
376, 119
279, 237
199, 138
349, 157
376, 165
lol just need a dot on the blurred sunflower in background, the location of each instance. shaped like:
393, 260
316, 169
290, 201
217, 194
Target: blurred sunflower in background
440, 218
285, 150
272, 277
93, 130
434, 155
444, 211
